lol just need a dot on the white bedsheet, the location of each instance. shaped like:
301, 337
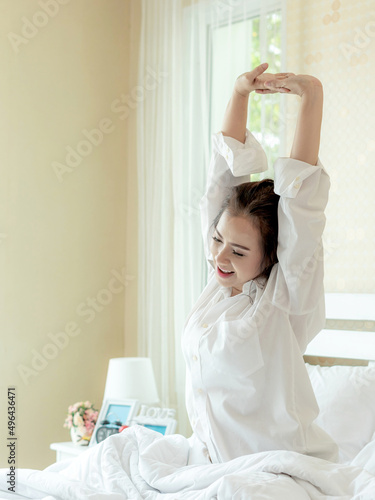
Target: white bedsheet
142, 464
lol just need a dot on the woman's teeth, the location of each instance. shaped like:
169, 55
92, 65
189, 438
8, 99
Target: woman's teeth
225, 272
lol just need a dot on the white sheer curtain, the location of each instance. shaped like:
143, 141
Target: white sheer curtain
190, 54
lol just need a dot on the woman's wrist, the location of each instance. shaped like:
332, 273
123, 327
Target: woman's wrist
313, 88
240, 94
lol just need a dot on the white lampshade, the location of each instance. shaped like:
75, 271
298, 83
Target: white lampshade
131, 378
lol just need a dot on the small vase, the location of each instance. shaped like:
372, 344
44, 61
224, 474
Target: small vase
79, 436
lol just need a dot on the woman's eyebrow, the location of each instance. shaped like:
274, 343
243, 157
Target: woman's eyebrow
233, 244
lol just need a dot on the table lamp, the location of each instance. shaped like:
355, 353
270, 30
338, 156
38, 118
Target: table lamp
131, 378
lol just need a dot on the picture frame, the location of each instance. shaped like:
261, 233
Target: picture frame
113, 414
165, 426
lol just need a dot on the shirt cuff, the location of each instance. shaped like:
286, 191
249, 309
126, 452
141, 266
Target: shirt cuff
242, 159
290, 174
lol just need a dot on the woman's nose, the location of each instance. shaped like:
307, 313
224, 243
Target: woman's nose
223, 255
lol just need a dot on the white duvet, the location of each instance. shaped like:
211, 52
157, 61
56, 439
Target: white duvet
142, 464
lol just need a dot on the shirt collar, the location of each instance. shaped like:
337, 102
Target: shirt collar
249, 288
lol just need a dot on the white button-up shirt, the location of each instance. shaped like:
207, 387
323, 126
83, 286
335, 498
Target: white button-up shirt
247, 388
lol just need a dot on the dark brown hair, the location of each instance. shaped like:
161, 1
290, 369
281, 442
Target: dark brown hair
258, 202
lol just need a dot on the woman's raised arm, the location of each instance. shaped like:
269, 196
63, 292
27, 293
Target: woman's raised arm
307, 135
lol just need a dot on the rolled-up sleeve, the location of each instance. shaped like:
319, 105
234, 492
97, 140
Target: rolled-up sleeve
231, 164
303, 191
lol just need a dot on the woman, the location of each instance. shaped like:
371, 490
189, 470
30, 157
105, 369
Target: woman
247, 388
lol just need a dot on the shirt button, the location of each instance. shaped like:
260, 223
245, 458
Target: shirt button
205, 325
200, 391
297, 185
195, 358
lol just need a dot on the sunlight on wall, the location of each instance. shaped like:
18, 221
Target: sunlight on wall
335, 41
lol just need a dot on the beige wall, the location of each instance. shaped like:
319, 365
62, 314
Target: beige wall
335, 41
65, 237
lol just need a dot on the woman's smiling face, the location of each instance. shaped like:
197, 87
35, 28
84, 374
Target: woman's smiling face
237, 251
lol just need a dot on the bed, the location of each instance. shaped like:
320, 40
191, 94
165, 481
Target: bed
340, 362
141, 464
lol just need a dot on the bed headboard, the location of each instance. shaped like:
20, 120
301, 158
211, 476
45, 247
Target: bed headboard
349, 335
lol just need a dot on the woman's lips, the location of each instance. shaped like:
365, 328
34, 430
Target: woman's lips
224, 274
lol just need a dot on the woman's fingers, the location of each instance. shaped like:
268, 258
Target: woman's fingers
266, 91
277, 85
273, 83
259, 70
278, 82
271, 90
284, 74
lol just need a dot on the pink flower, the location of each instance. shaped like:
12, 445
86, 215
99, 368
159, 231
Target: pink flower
82, 415
89, 426
91, 414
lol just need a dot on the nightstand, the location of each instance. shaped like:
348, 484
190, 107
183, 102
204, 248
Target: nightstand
67, 450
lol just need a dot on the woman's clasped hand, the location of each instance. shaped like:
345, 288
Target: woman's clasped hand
270, 83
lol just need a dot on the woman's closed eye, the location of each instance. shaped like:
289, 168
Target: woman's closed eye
217, 240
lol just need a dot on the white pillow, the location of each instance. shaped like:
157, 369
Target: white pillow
346, 398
